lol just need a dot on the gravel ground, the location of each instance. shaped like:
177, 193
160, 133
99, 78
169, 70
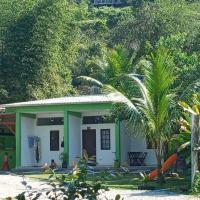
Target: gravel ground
10, 185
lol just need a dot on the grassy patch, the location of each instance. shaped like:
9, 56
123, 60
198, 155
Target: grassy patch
132, 181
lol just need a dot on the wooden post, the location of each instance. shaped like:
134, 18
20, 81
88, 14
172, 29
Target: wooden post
195, 145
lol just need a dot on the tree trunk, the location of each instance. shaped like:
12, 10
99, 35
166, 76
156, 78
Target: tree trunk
161, 178
195, 144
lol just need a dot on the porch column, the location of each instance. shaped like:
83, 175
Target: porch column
66, 134
117, 140
18, 139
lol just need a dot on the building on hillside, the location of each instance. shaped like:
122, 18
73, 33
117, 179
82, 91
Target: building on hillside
74, 125
106, 2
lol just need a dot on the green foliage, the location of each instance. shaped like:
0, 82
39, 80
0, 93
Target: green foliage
156, 19
196, 184
71, 185
47, 44
186, 64
39, 51
145, 178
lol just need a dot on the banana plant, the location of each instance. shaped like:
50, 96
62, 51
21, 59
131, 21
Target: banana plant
194, 110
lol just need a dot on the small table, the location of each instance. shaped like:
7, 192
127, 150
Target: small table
137, 158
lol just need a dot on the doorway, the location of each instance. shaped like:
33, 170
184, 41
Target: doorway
89, 142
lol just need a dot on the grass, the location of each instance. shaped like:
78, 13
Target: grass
132, 181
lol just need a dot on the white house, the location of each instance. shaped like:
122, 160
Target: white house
46, 128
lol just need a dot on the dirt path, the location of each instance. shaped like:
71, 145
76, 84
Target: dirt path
10, 185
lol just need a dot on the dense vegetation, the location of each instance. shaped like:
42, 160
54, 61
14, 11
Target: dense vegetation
46, 45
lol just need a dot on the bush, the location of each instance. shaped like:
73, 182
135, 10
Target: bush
196, 183
72, 185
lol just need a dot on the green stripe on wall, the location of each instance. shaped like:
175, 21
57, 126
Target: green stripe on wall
117, 140
66, 134
57, 108
18, 139
33, 116
76, 114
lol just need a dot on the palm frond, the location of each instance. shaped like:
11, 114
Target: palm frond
88, 79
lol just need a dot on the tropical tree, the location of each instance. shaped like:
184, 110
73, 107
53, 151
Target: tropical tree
195, 129
150, 113
112, 69
156, 102
38, 42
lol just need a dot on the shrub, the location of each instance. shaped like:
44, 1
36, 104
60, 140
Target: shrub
196, 183
72, 185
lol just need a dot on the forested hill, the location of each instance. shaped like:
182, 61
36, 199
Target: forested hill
47, 44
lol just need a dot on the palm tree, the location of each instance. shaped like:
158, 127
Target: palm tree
150, 113
155, 103
112, 68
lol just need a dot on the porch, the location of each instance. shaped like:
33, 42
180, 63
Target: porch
87, 131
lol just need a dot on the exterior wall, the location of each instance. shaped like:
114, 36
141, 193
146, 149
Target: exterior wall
27, 129
139, 144
104, 157
74, 138
54, 114
131, 143
125, 143
44, 133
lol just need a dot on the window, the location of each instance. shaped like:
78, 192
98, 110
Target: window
105, 139
50, 121
54, 140
98, 119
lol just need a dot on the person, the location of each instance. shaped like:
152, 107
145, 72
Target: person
5, 162
53, 164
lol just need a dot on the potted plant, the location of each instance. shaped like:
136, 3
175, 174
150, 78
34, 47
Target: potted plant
64, 157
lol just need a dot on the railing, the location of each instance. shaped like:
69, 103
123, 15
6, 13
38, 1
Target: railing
137, 158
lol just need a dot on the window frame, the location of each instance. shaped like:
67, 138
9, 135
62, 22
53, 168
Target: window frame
57, 146
105, 141
50, 121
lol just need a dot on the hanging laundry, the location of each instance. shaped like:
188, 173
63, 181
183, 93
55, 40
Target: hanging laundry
37, 148
37, 157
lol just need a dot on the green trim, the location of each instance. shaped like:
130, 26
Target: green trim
69, 107
76, 114
66, 134
117, 140
33, 116
18, 139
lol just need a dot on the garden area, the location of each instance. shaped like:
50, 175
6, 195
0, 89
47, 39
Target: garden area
84, 181
132, 181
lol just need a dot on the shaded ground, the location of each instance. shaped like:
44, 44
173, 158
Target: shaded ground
10, 185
